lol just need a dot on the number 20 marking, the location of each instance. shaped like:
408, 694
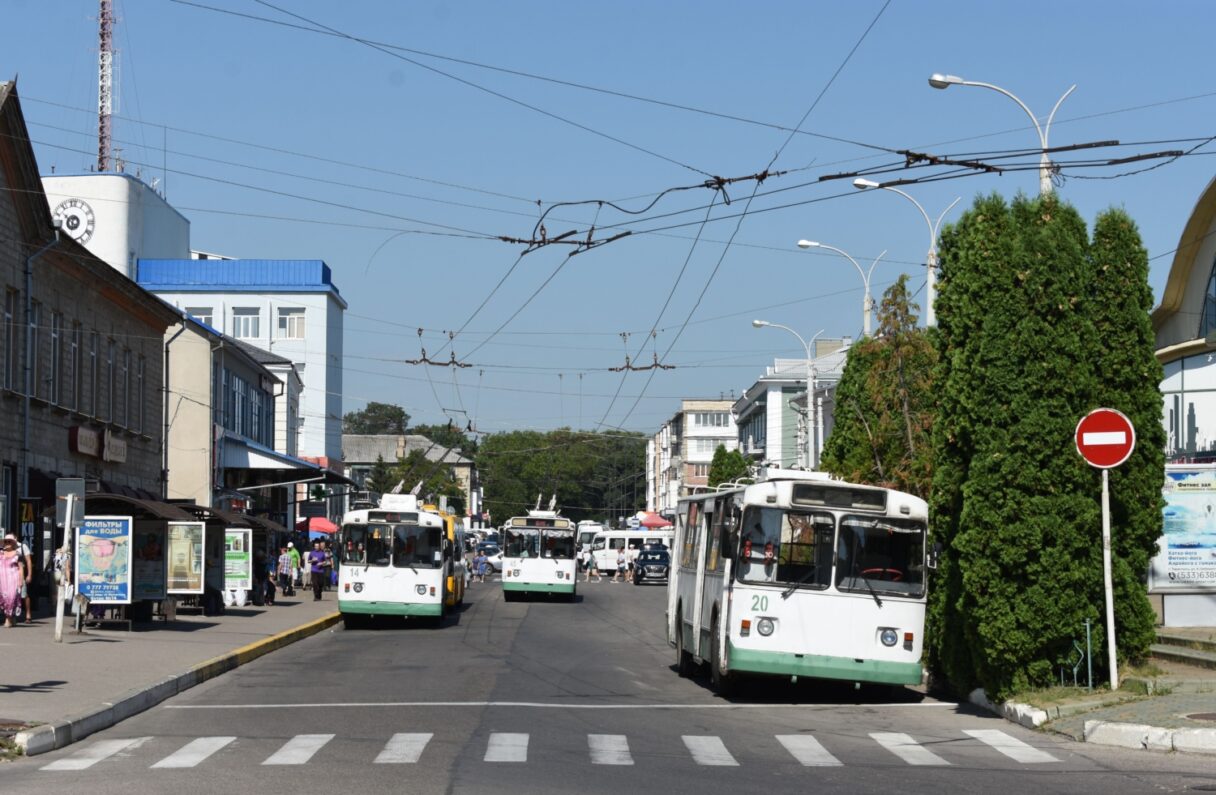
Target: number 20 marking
759, 602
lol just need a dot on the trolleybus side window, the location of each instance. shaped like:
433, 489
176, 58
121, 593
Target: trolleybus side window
881, 555
788, 547
691, 528
417, 546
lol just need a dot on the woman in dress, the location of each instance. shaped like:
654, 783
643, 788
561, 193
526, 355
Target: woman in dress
10, 580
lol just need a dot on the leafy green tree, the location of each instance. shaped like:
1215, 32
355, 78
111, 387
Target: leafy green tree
1119, 303
383, 476
376, 418
727, 466
885, 404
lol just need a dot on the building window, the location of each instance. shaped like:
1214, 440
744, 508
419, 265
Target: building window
124, 400
35, 319
55, 390
700, 470
72, 385
1207, 319
10, 338
245, 323
291, 323
111, 375
200, 313
94, 377
140, 394
711, 419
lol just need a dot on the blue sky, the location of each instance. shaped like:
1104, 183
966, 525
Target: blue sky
277, 142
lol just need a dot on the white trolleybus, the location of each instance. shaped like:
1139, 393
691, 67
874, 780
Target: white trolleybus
799, 576
395, 561
538, 555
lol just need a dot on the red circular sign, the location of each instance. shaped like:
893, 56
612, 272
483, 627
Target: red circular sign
1105, 438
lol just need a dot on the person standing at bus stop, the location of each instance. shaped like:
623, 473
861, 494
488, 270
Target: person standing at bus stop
316, 569
296, 576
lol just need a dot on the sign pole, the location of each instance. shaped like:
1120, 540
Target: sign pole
61, 571
1110, 591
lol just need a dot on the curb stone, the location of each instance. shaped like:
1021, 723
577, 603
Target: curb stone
1134, 735
48, 737
1022, 714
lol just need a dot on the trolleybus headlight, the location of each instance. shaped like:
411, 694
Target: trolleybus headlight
515, 572
889, 637
765, 626
421, 589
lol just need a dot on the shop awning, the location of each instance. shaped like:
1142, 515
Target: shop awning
256, 464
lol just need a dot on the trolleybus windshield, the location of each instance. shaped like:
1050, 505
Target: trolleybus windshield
787, 547
401, 545
885, 556
534, 542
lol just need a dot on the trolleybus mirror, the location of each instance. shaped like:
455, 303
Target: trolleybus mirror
934, 553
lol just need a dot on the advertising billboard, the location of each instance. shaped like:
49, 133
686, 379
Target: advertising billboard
1186, 551
103, 559
185, 557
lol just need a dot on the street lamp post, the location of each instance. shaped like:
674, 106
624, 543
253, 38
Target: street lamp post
931, 260
811, 454
867, 303
945, 81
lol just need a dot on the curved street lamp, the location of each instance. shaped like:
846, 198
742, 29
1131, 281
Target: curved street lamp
867, 303
811, 454
862, 183
941, 81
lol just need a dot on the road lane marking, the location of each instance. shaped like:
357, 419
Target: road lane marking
546, 705
609, 749
102, 749
507, 747
1011, 746
194, 752
709, 751
403, 749
907, 749
299, 749
807, 750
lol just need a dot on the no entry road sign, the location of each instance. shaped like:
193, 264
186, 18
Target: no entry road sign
1105, 438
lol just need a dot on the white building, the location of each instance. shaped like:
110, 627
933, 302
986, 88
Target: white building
290, 308
118, 218
679, 455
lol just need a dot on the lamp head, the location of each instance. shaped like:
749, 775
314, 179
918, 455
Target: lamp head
759, 323
861, 183
938, 80
807, 244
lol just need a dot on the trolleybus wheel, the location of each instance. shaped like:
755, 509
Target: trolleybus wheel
723, 682
683, 658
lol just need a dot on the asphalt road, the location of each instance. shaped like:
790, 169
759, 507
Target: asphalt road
548, 697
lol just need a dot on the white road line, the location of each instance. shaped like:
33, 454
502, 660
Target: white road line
545, 705
507, 747
87, 757
1011, 746
609, 749
194, 752
299, 749
907, 749
403, 749
807, 750
709, 751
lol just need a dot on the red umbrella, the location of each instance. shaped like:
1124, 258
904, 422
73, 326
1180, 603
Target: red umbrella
654, 520
316, 524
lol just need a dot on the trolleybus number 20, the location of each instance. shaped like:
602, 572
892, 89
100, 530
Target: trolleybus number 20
759, 603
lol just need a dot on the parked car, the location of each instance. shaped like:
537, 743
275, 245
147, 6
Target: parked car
652, 564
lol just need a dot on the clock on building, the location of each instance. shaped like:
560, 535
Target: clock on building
77, 219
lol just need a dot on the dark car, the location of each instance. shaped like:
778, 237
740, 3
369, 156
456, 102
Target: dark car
651, 565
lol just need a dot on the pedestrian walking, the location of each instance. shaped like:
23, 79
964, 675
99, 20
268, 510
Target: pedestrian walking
620, 566
11, 579
631, 559
316, 569
27, 574
480, 562
585, 563
296, 573
286, 571
331, 573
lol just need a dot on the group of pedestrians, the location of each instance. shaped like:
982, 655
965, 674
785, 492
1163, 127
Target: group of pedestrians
479, 567
315, 571
623, 572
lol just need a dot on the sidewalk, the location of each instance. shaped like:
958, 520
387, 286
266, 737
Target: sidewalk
1172, 710
62, 692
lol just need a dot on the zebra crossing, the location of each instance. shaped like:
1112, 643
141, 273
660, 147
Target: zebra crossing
514, 748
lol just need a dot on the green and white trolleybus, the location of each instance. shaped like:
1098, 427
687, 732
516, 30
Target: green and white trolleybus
538, 555
800, 576
394, 561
